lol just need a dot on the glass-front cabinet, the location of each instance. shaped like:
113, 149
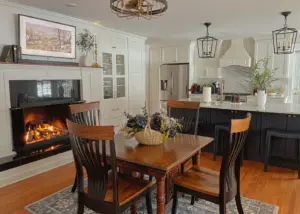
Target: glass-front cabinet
114, 76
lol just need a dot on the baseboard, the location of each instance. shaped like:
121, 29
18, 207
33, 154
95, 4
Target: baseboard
25, 171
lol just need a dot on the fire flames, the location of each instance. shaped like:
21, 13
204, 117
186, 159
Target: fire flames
42, 131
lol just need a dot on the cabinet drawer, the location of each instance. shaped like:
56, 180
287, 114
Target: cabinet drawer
113, 109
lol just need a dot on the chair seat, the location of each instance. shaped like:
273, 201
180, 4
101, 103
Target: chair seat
224, 127
128, 189
201, 180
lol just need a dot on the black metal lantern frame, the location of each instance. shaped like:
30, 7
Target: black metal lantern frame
207, 45
284, 39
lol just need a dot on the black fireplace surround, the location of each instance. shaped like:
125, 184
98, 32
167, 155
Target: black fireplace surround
39, 109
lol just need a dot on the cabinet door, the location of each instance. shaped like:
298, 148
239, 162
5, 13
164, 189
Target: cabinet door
279, 65
96, 89
105, 41
183, 54
108, 76
265, 49
118, 43
120, 77
155, 58
169, 55
292, 149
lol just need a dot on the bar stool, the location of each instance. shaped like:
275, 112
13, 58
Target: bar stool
280, 134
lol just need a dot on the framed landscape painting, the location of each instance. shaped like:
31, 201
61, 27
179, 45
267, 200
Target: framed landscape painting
45, 38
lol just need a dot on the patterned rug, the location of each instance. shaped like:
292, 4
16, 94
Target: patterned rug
65, 202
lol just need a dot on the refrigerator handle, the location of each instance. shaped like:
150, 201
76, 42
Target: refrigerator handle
172, 83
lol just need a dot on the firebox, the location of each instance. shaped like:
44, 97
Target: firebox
39, 112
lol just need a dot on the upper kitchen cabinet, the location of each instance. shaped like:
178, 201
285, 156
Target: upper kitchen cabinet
178, 54
281, 63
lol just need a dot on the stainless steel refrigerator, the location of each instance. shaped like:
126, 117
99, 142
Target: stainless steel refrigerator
174, 82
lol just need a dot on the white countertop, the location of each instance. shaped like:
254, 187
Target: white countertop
282, 108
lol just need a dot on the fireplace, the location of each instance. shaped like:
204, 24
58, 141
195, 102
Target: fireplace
39, 112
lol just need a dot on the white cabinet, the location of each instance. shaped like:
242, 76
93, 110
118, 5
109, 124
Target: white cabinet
183, 54
169, 55
264, 48
178, 54
114, 61
136, 76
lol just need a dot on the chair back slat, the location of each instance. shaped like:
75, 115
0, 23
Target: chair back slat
90, 146
86, 113
230, 169
187, 114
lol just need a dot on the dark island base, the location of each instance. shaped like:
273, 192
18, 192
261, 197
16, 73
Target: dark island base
284, 152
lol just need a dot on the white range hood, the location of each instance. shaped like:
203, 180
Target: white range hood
236, 55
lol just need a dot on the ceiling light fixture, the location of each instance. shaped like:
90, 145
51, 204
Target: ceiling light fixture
71, 4
284, 39
138, 8
207, 45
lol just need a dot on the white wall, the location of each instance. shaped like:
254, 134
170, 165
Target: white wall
9, 26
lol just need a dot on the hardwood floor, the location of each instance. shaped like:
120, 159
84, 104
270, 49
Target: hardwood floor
279, 186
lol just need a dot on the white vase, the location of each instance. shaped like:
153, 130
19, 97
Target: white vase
83, 61
207, 94
261, 98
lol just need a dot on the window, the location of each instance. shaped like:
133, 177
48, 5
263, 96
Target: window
44, 88
67, 86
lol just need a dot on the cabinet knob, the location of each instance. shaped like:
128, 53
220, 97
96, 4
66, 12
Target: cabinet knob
114, 47
294, 116
290, 115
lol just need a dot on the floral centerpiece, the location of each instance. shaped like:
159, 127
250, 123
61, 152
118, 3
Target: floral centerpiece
147, 129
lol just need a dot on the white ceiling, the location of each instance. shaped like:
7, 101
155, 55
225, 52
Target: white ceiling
184, 18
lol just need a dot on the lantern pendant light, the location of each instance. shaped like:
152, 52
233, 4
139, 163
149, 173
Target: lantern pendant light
207, 45
284, 39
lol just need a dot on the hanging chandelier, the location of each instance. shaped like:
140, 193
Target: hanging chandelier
138, 8
207, 45
284, 39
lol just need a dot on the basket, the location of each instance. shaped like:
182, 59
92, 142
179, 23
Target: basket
149, 137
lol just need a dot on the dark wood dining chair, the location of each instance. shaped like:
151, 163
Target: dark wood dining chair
219, 188
187, 113
85, 113
94, 150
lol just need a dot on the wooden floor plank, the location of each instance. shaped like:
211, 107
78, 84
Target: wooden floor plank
279, 186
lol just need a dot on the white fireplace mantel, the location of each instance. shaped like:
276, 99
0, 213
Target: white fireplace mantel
91, 90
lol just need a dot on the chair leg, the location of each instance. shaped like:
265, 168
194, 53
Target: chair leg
222, 208
239, 203
299, 160
216, 143
74, 185
175, 201
267, 152
80, 206
149, 203
193, 200
242, 157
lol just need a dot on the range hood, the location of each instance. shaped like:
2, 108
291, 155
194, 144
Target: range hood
236, 55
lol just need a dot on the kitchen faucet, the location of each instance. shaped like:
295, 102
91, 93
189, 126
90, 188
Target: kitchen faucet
222, 90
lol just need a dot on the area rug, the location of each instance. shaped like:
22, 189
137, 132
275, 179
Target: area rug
65, 202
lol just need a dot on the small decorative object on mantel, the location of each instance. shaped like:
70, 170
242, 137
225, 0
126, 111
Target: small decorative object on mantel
11, 53
85, 43
207, 45
261, 81
151, 130
95, 64
41, 37
284, 39
138, 8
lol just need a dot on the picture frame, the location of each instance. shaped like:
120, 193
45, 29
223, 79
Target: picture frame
40, 37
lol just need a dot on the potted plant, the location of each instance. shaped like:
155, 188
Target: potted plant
85, 43
261, 81
151, 130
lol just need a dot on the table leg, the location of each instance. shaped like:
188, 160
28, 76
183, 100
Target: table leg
161, 195
197, 159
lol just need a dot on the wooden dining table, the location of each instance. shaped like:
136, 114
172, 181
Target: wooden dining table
163, 161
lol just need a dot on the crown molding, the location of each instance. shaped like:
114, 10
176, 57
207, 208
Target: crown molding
58, 15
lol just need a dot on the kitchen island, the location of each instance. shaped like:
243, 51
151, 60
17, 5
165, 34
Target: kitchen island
272, 116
